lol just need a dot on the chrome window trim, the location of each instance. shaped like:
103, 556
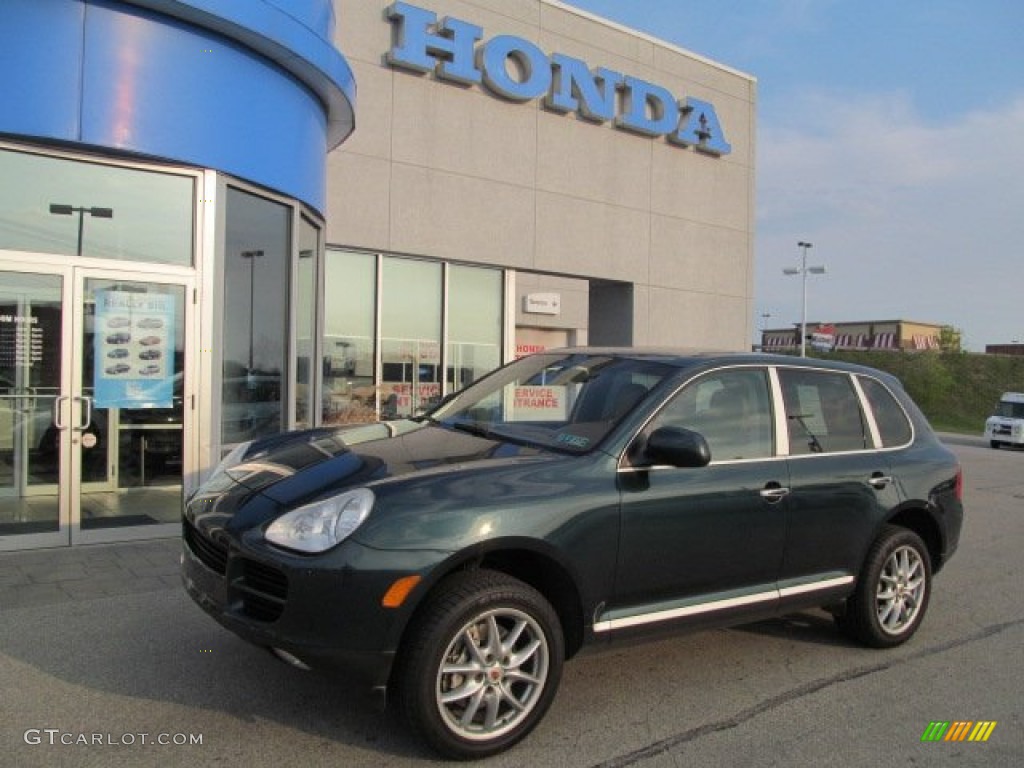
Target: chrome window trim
778, 413
722, 463
623, 467
910, 421
779, 419
866, 409
869, 413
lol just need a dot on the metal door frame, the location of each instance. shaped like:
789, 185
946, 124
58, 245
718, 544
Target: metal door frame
79, 402
70, 407
16, 262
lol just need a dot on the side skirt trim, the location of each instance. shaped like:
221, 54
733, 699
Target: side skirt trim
653, 617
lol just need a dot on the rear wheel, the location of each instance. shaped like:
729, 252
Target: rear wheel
481, 665
892, 592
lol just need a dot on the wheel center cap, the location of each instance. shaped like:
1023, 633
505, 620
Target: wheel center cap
495, 674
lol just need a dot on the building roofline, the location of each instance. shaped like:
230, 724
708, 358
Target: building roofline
648, 37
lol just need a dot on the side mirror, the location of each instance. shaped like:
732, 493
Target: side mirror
677, 447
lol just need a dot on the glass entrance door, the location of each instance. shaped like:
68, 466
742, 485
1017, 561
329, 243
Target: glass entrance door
93, 422
128, 448
34, 384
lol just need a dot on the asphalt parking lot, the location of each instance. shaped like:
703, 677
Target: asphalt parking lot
105, 662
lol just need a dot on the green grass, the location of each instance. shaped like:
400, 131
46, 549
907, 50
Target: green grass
956, 390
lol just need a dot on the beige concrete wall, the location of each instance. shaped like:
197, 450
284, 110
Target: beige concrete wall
455, 172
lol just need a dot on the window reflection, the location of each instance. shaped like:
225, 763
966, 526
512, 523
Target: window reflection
71, 207
410, 337
410, 315
348, 360
305, 322
474, 324
255, 338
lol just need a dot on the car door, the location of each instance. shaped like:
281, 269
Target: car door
840, 484
697, 543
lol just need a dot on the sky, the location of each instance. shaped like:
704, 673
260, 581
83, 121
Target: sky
890, 135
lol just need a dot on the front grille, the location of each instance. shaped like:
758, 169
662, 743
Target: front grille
263, 589
210, 553
1001, 429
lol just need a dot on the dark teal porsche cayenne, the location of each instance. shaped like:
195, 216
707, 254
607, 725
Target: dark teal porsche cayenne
574, 498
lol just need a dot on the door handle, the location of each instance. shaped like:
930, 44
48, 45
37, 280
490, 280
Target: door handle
774, 493
87, 412
57, 411
879, 481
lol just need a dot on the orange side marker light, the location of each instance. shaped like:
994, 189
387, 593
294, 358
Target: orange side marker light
398, 591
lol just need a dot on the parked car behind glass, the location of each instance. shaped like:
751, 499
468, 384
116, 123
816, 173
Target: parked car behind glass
454, 561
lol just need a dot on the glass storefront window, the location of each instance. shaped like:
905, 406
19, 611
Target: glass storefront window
350, 291
410, 337
474, 324
71, 207
305, 322
405, 304
255, 312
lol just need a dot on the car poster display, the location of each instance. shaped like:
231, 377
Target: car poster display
133, 342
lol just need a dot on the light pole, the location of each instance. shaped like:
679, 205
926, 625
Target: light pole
62, 209
802, 270
764, 327
251, 256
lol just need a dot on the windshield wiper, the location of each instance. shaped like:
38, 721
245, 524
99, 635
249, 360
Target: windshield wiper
490, 433
472, 427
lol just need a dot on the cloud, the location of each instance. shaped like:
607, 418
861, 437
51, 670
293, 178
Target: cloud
914, 219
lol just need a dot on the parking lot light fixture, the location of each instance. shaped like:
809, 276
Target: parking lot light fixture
63, 209
802, 270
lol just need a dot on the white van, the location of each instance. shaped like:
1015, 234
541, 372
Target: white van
1006, 425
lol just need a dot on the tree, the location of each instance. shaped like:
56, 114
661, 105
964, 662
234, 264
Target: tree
950, 338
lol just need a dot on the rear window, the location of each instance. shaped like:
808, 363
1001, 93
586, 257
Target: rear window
893, 426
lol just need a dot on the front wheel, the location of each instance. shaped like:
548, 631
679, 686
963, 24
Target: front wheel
995, 444
481, 664
892, 592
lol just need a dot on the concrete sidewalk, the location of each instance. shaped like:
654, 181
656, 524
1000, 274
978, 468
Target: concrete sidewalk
43, 576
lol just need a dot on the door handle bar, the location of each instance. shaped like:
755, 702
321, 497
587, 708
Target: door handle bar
57, 411
87, 411
774, 494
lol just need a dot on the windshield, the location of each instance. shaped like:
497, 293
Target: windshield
562, 401
1010, 410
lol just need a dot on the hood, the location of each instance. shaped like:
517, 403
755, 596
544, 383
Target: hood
295, 468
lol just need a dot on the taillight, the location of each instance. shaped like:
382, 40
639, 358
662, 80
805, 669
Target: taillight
958, 487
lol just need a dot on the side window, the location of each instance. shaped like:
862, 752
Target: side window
893, 426
731, 409
823, 412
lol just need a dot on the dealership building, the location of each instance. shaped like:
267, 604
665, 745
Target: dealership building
220, 220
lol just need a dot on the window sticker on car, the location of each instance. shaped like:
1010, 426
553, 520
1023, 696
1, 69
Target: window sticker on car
575, 441
540, 403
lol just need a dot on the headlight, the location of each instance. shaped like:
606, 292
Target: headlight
319, 526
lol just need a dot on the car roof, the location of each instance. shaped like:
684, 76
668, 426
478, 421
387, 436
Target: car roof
684, 358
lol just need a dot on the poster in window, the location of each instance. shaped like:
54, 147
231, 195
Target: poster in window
133, 344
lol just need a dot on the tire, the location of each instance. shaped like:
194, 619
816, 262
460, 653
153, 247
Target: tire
995, 444
480, 665
892, 591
